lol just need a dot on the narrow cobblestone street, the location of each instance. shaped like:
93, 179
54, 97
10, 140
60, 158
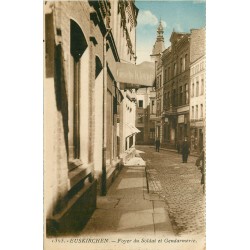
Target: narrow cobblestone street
179, 185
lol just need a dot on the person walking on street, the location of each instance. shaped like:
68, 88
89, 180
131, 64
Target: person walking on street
200, 163
185, 150
157, 145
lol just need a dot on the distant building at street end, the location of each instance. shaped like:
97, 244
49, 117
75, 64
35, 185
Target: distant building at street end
149, 100
145, 115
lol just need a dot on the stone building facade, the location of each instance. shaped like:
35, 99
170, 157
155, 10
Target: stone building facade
197, 91
85, 130
173, 77
175, 65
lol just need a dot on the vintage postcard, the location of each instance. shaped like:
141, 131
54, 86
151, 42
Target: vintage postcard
124, 124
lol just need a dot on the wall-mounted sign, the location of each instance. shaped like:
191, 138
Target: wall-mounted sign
181, 119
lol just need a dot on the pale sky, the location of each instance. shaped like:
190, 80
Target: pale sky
179, 15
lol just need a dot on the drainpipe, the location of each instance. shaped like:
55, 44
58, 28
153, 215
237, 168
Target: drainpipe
104, 140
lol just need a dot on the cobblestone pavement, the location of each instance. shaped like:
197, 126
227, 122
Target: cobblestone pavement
179, 184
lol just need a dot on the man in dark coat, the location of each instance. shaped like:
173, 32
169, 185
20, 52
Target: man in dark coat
157, 145
185, 150
200, 163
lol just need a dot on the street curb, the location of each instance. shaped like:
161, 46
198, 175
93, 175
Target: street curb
150, 194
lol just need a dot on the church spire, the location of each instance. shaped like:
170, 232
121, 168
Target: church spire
159, 43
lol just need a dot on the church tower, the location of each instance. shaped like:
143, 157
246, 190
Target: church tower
159, 43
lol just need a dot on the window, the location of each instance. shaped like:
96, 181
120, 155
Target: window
192, 112
152, 133
152, 107
168, 73
76, 132
196, 112
165, 77
197, 88
168, 99
98, 66
115, 108
78, 45
140, 118
186, 62
192, 90
181, 95
202, 86
186, 94
180, 65
158, 108
174, 98
201, 110
165, 98
140, 103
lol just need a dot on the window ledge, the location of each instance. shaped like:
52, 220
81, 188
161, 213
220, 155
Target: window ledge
74, 163
77, 172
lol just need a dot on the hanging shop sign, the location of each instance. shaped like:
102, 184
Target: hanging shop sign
134, 76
